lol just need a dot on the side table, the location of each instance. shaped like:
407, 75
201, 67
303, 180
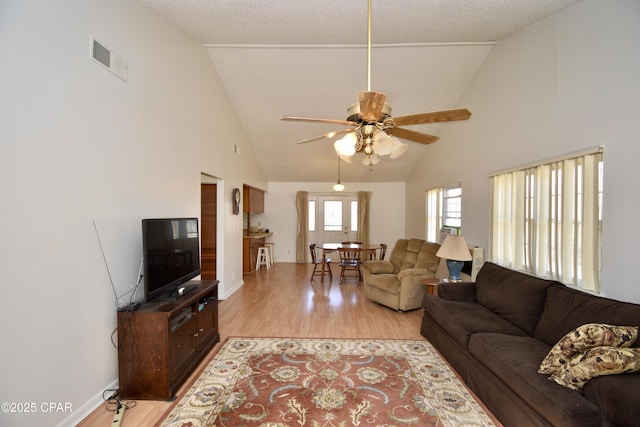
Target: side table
432, 284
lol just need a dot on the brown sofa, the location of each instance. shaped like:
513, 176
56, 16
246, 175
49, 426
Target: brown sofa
496, 332
397, 283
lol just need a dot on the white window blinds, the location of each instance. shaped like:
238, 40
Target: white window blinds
546, 219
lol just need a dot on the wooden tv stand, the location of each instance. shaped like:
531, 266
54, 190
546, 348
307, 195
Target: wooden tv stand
162, 342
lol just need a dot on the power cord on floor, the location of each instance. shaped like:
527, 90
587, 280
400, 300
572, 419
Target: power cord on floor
117, 406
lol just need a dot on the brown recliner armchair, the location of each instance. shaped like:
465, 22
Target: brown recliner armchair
397, 283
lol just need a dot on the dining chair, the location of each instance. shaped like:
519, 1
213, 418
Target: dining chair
349, 261
317, 262
383, 251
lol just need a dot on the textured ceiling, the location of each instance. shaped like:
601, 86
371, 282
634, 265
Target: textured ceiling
308, 58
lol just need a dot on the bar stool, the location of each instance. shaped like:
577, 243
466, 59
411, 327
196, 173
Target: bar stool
272, 255
263, 257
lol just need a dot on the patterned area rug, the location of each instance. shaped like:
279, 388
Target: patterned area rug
319, 382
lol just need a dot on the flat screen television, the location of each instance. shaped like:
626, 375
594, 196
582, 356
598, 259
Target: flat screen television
171, 251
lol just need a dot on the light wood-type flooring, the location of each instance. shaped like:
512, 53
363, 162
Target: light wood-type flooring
283, 302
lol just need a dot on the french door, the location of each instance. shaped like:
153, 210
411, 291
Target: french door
335, 218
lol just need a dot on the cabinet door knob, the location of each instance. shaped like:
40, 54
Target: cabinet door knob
200, 330
196, 334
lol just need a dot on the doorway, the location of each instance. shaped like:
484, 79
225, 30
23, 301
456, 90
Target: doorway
208, 230
337, 219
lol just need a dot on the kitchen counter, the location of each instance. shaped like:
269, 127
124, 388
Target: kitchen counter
257, 235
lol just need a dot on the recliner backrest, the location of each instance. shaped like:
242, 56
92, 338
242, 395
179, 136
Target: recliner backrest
407, 253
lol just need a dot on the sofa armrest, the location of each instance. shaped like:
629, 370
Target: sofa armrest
412, 272
465, 291
378, 266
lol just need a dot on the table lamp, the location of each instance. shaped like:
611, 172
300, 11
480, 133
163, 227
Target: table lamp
455, 250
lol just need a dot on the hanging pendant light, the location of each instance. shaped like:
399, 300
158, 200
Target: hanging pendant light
338, 186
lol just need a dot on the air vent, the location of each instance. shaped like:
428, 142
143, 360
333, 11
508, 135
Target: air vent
109, 60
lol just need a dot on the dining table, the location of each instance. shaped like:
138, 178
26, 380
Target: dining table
358, 247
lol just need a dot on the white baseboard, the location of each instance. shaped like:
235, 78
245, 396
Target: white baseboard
230, 292
87, 408
92, 404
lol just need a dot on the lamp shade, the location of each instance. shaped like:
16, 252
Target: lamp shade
455, 248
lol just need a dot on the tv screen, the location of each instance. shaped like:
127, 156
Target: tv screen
171, 250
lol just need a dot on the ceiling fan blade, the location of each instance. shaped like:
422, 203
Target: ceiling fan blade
422, 138
314, 120
326, 135
371, 104
434, 117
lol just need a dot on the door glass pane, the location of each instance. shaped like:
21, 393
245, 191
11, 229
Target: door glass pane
354, 215
332, 215
312, 215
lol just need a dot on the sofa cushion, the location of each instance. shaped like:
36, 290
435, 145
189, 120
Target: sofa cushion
514, 296
377, 266
566, 309
458, 291
583, 338
398, 253
386, 282
461, 319
596, 362
427, 257
411, 255
611, 395
515, 360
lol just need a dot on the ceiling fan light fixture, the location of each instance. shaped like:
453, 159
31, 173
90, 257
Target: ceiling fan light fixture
372, 130
346, 147
347, 159
371, 160
382, 144
397, 148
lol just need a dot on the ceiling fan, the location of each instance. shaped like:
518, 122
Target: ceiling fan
373, 131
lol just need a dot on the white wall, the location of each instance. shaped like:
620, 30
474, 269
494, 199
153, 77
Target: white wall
567, 83
80, 145
281, 216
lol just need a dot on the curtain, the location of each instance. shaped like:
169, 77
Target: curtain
546, 220
434, 214
302, 205
364, 198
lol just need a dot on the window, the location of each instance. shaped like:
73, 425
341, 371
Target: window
452, 207
354, 216
312, 215
547, 219
444, 209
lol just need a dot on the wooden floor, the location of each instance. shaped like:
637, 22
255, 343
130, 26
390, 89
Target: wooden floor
282, 302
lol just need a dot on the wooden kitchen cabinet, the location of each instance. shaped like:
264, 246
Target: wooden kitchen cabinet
253, 199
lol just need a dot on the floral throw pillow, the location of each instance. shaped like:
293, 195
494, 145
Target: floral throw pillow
596, 362
584, 338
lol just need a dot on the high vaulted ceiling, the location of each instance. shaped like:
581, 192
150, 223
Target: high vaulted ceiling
308, 58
